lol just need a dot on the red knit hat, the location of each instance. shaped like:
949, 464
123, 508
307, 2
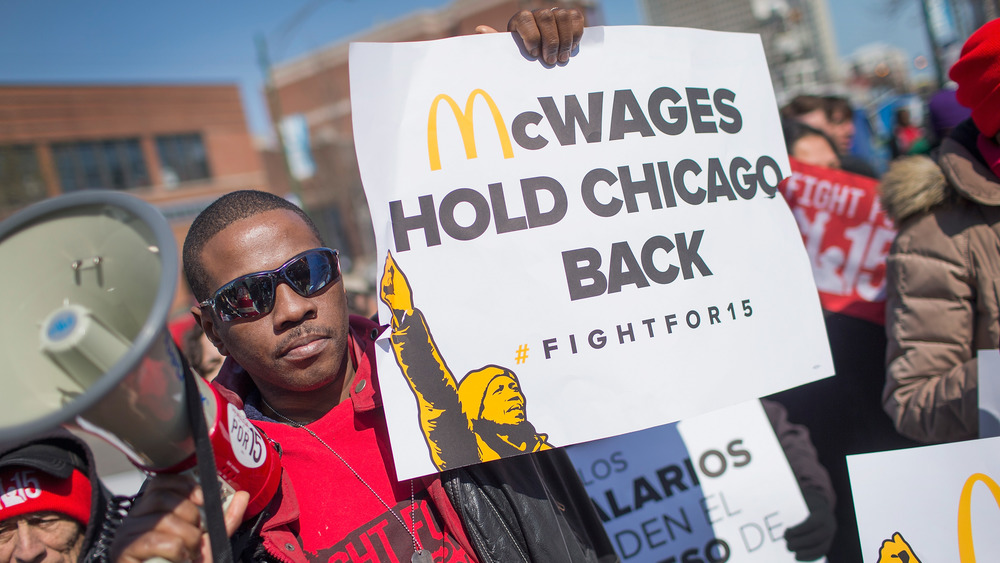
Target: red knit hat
27, 490
977, 74
45, 475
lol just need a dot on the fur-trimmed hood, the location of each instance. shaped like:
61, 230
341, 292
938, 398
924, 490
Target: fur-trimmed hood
912, 185
916, 184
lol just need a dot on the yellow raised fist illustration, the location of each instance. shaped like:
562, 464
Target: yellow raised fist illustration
896, 550
480, 417
395, 291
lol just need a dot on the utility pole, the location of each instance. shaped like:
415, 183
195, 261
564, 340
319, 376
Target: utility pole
274, 108
936, 49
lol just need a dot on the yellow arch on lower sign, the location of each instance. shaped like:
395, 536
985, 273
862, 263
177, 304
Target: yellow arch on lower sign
966, 549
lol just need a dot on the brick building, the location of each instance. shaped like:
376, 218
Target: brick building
176, 146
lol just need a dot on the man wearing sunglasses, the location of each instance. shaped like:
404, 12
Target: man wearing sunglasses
272, 301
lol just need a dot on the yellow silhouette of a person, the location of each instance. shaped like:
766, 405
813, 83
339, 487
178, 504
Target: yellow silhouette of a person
482, 418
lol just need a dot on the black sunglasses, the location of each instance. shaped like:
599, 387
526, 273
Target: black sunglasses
252, 295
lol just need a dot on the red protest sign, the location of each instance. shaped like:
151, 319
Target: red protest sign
847, 236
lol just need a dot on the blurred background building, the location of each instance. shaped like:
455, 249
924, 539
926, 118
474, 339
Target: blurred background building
180, 147
800, 44
797, 35
177, 146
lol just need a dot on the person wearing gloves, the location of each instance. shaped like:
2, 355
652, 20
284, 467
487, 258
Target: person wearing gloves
813, 537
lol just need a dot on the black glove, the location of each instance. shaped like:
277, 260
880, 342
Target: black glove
812, 538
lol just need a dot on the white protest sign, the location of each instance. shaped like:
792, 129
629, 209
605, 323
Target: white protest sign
932, 503
599, 242
988, 368
712, 488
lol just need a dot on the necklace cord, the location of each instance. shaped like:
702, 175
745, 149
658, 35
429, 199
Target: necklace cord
409, 529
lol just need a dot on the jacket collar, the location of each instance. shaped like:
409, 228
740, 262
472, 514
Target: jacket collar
967, 171
365, 394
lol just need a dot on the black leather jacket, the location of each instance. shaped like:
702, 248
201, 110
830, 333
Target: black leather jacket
528, 508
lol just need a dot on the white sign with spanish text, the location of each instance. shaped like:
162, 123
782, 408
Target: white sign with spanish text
577, 252
716, 487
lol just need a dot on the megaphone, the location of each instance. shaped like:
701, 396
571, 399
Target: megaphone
89, 280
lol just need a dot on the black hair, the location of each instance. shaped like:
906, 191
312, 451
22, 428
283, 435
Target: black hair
795, 130
803, 104
807, 103
838, 104
223, 212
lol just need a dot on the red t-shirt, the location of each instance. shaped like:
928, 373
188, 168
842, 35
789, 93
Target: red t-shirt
340, 518
332, 515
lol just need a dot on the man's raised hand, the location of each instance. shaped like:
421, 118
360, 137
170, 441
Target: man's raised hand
550, 34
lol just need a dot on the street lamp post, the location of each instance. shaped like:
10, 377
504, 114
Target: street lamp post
274, 108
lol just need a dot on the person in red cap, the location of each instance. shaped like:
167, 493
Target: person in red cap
942, 271
53, 507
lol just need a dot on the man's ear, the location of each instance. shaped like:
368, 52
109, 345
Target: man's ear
207, 323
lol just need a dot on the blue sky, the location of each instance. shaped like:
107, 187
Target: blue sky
72, 41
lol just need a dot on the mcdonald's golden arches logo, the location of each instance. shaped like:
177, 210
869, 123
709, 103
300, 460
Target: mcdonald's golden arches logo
966, 550
897, 549
465, 126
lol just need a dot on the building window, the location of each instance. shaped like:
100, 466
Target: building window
182, 158
20, 176
107, 164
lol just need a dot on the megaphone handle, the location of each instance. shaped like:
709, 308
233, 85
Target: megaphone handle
227, 497
217, 493
213, 511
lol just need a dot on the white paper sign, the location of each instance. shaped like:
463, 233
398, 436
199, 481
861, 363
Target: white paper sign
988, 367
711, 488
933, 503
602, 236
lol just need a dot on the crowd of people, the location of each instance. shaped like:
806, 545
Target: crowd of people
302, 368
913, 379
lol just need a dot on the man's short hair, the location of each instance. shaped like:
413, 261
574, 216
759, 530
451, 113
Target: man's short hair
223, 212
803, 104
838, 105
794, 130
